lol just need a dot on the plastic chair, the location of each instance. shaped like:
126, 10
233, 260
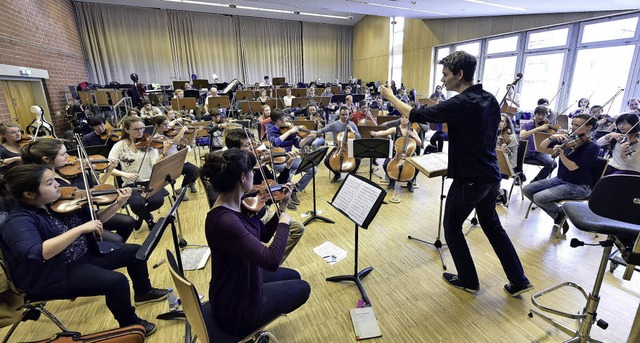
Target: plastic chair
200, 316
612, 210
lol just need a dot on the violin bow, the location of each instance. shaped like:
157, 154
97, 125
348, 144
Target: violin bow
85, 180
83, 152
145, 150
620, 90
264, 176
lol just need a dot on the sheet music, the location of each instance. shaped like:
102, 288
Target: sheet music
356, 198
431, 164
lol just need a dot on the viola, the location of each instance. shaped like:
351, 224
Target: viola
255, 200
339, 160
72, 198
73, 168
397, 169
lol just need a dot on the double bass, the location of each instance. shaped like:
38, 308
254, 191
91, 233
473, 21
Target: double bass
339, 160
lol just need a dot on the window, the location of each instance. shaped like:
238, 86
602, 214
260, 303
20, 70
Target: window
541, 78
548, 39
498, 72
440, 54
599, 73
610, 30
395, 56
501, 45
470, 48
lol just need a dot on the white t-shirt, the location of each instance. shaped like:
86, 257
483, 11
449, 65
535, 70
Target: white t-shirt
120, 151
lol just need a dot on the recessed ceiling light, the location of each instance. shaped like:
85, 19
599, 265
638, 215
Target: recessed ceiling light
497, 5
406, 8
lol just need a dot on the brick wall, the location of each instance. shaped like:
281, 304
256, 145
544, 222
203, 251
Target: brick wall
44, 35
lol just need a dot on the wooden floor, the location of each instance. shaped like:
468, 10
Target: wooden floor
410, 299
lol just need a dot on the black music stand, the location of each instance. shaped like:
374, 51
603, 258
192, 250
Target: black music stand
312, 160
218, 102
359, 200
371, 148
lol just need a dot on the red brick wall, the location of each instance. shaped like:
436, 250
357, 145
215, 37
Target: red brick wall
44, 35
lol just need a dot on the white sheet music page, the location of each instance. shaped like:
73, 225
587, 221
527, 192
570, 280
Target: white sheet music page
356, 198
431, 163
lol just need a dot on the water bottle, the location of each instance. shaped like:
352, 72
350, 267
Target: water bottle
172, 299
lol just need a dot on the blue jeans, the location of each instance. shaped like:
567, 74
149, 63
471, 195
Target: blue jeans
462, 198
306, 176
541, 159
546, 194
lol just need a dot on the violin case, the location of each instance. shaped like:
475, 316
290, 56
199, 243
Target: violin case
127, 334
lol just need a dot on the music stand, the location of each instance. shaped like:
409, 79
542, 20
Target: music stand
338, 98
271, 103
183, 104
371, 148
201, 84
278, 81
218, 102
299, 102
244, 95
179, 84
359, 200
312, 160
150, 243
299, 92
433, 165
324, 101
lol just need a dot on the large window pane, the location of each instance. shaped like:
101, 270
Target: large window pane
440, 54
470, 48
548, 39
599, 73
508, 44
498, 72
540, 79
610, 30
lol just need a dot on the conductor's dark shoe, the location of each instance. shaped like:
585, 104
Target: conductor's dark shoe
155, 294
514, 291
410, 186
149, 328
294, 198
391, 185
452, 279
336, 178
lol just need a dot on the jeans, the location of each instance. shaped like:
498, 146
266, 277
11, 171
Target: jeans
546, 194
462, 198
306, 176
541, 159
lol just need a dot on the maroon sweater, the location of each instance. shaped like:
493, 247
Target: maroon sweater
238, 258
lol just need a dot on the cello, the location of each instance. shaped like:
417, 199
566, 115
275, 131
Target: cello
397, 169
339, 160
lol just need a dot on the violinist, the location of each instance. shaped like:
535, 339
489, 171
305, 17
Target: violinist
363, 113
288, 98
337, 127
238, 139
552, 116
51, 260
473, 116
539, 124
213, 93
216, 129
148, 111
349, 104
288, 140
438, 94
97, 123
263, 97
10, 149
583, 107
52, 153
605, 122
401, 130
507, 143
138, 172
189, 171
634, 105
248, 287
575, 174
264, 119
623, 144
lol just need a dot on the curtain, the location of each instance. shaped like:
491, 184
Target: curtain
328, 52
166, 45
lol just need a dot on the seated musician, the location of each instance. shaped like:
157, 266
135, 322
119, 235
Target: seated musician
349, 104
287, 140
263, 97
402, 95
213, 93
507, 143
238, 139
379, 104
264, 119
363, 113
438, 95
311, 91
583, 107
539, 124
137, 172
634, 105
623, 145
327, 91
50, 260
216, 130
248, 288
287, 99
552, 116
575, 174
52, 153
10, 149
337, 127
402, 130
189, 171
179, 94
97, 123
148, 111
310, 112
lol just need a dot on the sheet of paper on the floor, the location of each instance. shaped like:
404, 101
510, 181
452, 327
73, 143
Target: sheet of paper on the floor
330, 253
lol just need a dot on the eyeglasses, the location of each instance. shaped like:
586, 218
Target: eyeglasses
137, 129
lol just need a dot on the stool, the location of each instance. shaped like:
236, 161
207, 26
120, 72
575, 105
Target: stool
612, 210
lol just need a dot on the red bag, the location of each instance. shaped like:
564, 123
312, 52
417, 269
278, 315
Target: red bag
127, 334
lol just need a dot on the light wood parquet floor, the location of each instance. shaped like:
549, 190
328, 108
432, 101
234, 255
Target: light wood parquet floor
411, 301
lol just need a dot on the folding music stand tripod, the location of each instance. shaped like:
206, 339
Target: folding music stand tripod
371, 148
312, 160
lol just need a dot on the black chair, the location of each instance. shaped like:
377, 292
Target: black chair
612, 210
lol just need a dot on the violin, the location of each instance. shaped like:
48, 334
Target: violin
72, 168
147, 141
339, 160
258, 197
264, 156
174, 132
26, 139
552, 129
72, 198
302, 131
570, 145
111, 133
397, 169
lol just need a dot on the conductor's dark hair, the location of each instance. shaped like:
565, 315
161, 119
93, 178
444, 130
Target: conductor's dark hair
222, 169
461, 60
